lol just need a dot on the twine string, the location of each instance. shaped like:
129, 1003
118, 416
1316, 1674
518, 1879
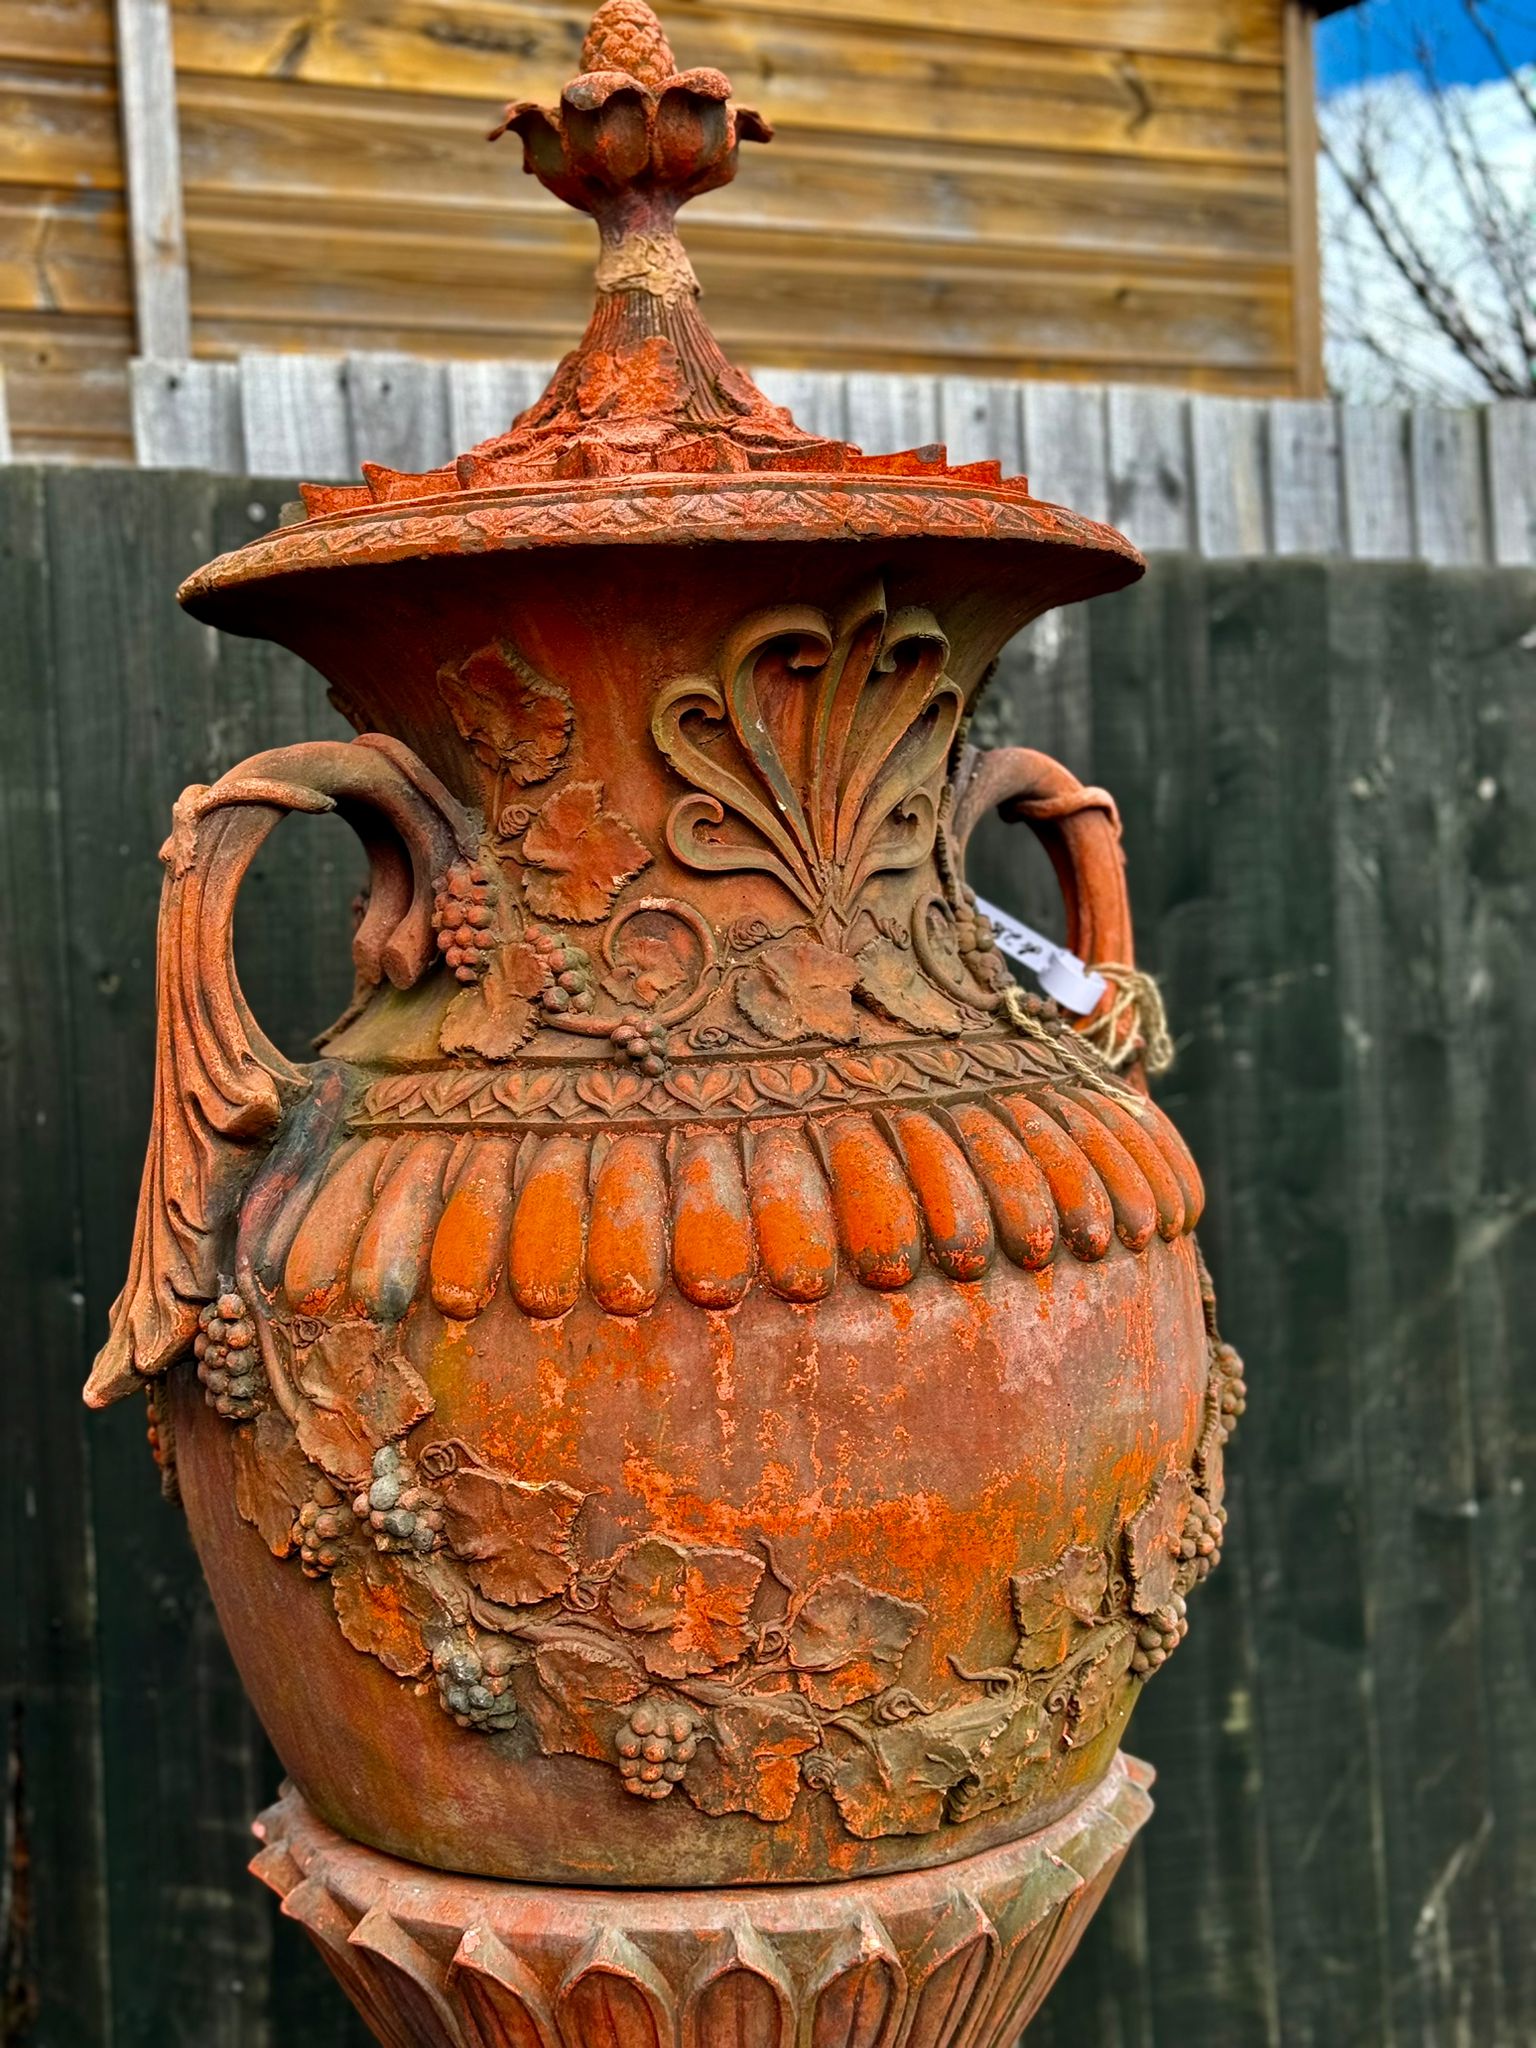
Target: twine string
1137, 1003
1079, 1055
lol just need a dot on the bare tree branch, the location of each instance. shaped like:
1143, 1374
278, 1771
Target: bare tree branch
1501, 236
1460, 239
1525, 88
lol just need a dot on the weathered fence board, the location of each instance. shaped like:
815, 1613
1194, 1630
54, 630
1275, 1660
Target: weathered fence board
187, 415
1326, 773
397, 406
1450, 487
1512, 479
295, 416
1065, 441
1227, 477
483, 399
979, 421
818, 401
892, 412
1149, 465
1378, 483
53, 1878
1229, 462
1306, 479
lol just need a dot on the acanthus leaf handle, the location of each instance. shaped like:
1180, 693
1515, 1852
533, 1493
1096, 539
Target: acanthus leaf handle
221, 1087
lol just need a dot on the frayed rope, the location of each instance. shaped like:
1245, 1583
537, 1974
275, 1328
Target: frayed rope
1138, 1001
1079, 1055
1099, 1051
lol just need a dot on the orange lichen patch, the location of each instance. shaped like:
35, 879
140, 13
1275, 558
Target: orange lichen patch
711, 1222
1180, 1158
877, 1218
1140, 1142
395, 1242
1132, 1199
320, 1257
954, 1207
923, 1539
1022, 1208
470, 1247
548, 1228
1087, 1219
627, 1237
792, 1212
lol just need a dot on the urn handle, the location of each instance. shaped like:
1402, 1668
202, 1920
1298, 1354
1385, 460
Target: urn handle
221, 1086
1079, 827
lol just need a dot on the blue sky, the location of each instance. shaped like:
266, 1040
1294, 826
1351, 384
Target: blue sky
1378, 37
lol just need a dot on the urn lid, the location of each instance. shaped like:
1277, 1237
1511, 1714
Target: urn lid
647, 433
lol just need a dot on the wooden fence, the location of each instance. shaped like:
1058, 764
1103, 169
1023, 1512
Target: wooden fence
1221, 476
1328, 778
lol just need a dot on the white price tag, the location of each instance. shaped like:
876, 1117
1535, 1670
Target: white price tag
1061, 974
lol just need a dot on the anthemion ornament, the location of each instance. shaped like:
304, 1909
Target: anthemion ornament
701, 1401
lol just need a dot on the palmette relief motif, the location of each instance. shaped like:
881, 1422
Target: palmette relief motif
816, 752
704, 1669
820, 745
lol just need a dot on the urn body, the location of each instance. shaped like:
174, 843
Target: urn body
700, 1382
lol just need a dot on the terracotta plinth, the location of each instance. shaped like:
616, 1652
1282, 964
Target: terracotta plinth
919, 1960
703, 1383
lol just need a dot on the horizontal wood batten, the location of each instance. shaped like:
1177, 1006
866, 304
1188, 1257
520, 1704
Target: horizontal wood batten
1242, 31
66, 386
62, 252
60, 126
65, 32
390, 151
845, 84
748, 240
300, 278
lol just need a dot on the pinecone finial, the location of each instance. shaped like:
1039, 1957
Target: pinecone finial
626, 36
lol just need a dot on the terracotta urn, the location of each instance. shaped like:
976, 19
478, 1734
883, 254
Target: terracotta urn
700, 1408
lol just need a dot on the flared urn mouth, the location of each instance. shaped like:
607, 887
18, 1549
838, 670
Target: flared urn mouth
647, 432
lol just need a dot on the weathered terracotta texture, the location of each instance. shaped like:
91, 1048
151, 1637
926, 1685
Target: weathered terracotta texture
700, 1383
963, 1954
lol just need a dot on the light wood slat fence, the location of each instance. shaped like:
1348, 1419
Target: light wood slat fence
1217, 476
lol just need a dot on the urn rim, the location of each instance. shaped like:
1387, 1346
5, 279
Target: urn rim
784, 507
